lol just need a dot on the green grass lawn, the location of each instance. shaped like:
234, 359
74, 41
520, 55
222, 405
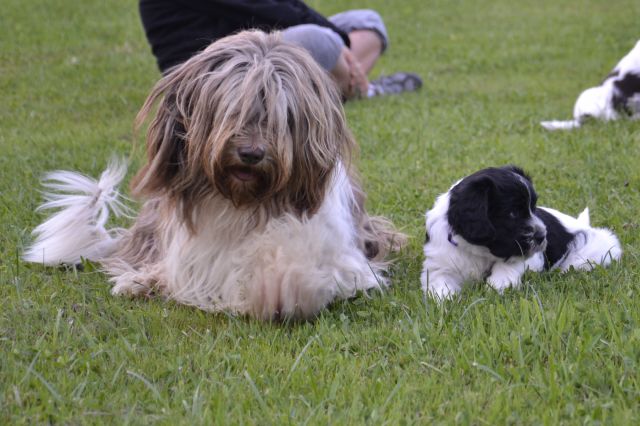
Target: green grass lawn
564, 349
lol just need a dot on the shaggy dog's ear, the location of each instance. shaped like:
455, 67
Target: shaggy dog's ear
321, 139
468, 212
307, 192
166, 150
312, 170
174, 150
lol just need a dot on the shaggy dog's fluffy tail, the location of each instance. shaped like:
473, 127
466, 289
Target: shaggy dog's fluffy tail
77, 230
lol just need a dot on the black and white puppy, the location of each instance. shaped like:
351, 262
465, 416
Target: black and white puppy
617, 96
487, 226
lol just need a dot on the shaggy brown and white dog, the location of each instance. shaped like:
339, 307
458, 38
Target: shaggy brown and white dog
251, 201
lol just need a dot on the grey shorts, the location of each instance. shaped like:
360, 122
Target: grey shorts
325, 45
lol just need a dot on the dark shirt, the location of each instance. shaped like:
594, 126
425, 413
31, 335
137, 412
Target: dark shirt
178, 29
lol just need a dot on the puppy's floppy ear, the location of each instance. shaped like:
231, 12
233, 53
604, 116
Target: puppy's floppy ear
468, 212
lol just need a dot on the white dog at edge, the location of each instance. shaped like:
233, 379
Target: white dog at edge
617, 96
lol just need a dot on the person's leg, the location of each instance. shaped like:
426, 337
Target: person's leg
344, 64
367, 33
342, 76
366, 46
323, 44
329, 51
369, 39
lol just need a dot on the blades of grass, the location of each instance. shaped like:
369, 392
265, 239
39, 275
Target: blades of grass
255, 390
487, 370
147, 383
48, 385
299, 357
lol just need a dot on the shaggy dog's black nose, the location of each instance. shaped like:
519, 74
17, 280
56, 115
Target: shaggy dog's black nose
539, 237
251, 155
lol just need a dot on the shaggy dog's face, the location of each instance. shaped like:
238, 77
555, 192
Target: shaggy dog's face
495, 208
248, 169
251, 119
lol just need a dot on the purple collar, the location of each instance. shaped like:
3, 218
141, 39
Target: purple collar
450, 239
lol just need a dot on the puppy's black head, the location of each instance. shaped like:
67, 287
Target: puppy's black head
494, 208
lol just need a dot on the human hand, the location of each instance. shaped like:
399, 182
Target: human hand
358, 81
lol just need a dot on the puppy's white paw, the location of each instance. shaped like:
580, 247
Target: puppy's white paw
439, 289
441, 293
501, 283
535, 263
505, 275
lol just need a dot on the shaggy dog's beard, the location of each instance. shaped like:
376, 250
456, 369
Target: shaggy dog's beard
245, 184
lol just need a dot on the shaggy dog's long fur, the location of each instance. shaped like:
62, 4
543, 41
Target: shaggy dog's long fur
251, 200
